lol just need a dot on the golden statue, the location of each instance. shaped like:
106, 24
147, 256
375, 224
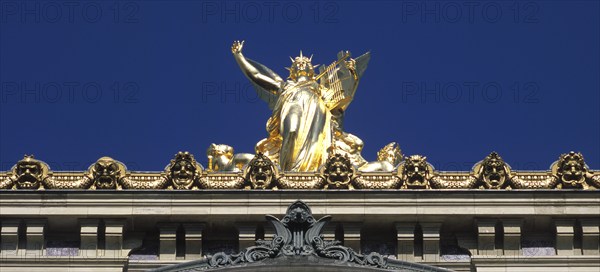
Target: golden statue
308, 110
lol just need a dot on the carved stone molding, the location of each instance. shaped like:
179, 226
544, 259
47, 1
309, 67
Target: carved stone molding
414, 172
299, 236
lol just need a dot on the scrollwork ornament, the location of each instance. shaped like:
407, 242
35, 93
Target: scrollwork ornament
299, 234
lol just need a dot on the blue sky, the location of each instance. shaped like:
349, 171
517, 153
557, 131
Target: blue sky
452, 80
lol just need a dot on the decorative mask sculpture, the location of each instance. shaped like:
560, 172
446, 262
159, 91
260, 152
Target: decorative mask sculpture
29, 173
338, 172
493, 172
298, 213
261, 172
415, 172
106, 173
183, 170
571, 170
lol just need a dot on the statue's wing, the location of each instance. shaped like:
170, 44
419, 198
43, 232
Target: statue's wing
361, 63
269, 96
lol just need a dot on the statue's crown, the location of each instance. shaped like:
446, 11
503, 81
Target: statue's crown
301, 66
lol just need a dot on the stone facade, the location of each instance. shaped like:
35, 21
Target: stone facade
463, 230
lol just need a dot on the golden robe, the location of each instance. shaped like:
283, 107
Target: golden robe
299, 129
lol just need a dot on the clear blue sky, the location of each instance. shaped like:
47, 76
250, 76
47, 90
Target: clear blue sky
452, 80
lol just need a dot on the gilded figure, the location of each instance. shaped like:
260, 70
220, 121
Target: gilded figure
308, 109
222, 158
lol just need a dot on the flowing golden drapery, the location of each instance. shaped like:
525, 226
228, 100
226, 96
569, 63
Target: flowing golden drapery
301, 124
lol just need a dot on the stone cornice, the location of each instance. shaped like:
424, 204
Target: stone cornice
251, 202
535, 261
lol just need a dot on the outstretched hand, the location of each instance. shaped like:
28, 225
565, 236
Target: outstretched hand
237, 46
351, 64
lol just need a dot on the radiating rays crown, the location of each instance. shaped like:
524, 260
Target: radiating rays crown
301, 66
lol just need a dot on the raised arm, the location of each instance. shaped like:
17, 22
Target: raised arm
270, 82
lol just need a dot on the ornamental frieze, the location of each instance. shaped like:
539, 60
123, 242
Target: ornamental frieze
183, 172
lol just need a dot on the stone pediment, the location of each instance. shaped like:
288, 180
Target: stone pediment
298, 245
